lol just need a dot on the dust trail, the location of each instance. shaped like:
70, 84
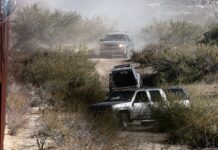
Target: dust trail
133, 15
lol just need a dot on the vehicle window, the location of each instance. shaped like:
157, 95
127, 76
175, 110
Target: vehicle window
141, 97
121, 96
129, 39
176, 94
115, 37
155, 95
124, 78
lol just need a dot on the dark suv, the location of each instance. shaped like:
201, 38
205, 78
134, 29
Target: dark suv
124, 76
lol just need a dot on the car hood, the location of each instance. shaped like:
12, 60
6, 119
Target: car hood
106, 104
112, 42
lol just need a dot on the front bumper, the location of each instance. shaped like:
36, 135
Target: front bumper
114, 53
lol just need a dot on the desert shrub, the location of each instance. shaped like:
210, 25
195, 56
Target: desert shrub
79, 130
211, 78
196, 126
18, 105
35, 27
186, 65
172, 33
211, 36
18, 61
68, 75
147, 55
182, 64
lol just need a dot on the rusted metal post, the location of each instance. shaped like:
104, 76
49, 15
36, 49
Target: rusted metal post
3, 73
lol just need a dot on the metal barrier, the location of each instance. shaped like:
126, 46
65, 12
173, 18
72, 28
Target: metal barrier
6, 8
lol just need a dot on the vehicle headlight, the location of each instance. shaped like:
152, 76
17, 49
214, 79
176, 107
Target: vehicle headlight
122, 45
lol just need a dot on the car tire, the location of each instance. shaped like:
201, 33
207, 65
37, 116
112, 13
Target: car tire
124, 120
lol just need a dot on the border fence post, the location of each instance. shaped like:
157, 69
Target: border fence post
4, 45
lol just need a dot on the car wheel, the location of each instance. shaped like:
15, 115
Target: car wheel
124, 120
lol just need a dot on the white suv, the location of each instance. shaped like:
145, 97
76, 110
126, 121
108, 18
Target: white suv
136, 104
117, 45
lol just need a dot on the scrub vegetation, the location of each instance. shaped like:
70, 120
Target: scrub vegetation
18, 103
195, 126
35, 27
42, 57
184, 54
180, 65
72, 83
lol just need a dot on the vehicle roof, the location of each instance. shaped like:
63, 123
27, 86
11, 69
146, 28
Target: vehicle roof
136, 89
117, 32
173, 87
123, 67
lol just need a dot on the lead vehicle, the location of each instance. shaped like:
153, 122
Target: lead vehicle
117, 45
136, 104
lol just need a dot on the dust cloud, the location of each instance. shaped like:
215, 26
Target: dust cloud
131, 15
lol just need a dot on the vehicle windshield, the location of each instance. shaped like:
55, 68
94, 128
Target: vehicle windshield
177, 94
115, 37
124, 78
121, 96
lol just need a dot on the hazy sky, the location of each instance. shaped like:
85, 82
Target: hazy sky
128, 14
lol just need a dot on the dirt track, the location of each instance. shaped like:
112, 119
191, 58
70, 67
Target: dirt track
137, 137
104, 66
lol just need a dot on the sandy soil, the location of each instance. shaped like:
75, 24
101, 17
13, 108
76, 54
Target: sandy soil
24, 139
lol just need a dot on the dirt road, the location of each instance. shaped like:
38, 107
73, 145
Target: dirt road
25, 139
137, 137
104, 66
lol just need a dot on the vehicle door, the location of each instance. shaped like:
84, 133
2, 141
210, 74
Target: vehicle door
140, 106
156, 97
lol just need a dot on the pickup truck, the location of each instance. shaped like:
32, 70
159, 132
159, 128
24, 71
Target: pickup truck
136, 104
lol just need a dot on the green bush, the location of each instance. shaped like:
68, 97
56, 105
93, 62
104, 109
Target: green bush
172, 33
196, 126
211, 36
147, 55
186, 65
35, 27
68, 75
182, 64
